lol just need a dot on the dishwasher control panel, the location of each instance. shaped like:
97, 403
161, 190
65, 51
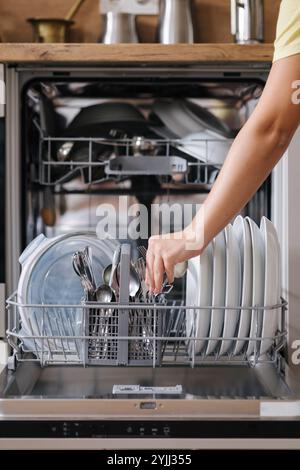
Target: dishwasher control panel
180, 429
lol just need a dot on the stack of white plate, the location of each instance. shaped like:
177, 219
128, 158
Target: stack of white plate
239, 269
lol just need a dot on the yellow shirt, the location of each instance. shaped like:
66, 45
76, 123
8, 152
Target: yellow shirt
287, 41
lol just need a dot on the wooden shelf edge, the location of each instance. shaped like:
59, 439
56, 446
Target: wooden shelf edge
133, 53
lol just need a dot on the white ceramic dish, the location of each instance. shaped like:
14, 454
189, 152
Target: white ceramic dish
183, 117
199, 293
218, 292
241, 230
192, 296
272, 282
233, 289
258, 257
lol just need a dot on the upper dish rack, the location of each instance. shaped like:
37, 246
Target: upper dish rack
61, 159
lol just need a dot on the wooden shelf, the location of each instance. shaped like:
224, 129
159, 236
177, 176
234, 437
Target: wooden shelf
133, 53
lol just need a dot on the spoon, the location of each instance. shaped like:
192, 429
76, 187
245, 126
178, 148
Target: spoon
134, 281
79, 268
104, 294
88, 265
113, 281
106, 274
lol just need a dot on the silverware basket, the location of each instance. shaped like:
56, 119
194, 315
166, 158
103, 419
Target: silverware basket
136, 346
121, 334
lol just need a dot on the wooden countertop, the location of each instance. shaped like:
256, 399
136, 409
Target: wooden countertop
133, 53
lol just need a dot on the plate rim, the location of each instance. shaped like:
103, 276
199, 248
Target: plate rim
246, 287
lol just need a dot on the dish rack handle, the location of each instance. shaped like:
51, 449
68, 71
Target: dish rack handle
125, 260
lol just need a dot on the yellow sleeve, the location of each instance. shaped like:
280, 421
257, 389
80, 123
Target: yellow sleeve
287, 41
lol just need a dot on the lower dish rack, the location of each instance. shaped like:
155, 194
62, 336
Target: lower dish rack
131, 334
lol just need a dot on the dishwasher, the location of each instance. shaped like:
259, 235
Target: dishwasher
149, 390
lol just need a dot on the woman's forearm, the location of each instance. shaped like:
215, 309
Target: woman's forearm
249, 162
254, 153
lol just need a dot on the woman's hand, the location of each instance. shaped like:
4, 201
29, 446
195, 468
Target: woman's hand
255, 151
164, 252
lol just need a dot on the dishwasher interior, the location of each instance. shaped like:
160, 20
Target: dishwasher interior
67, 172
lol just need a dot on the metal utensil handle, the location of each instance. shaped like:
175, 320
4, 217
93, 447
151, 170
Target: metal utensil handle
114, 266
88, 264
123, 322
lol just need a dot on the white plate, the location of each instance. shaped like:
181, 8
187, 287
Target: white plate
218, 292
272, 282
233, 289
242, 232
258, 257
199, 293
182, 117
192, 295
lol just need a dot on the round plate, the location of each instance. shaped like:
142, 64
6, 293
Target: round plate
218, 291
184, 117
258, 257
48, 278
199, 293
272, 282
233, 289
242, 232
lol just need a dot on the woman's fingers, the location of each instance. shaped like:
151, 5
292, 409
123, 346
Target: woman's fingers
160, 260
169, 269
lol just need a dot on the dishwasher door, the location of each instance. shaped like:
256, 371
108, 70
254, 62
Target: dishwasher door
217, 407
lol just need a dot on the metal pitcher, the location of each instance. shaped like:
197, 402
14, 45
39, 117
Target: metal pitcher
247, 21
176, 25
119, 28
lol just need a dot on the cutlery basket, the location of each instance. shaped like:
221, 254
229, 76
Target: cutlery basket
120, 334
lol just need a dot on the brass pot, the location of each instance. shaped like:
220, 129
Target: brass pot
50, 29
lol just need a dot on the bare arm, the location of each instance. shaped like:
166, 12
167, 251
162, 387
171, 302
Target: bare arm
256, 150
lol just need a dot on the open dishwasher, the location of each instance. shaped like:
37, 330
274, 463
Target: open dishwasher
144, 384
